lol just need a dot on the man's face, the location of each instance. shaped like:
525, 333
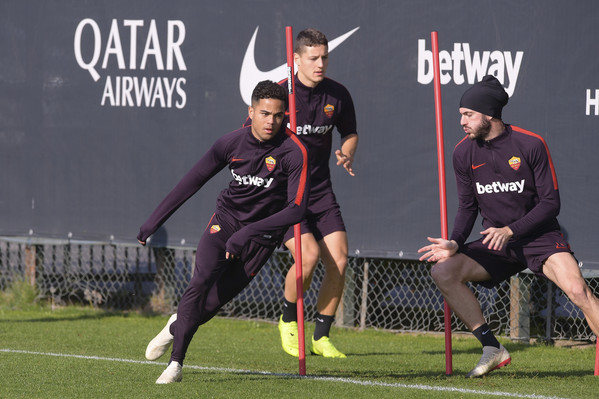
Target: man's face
267, 116
475, 124
312, 64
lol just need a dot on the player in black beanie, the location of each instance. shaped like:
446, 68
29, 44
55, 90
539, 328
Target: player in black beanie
504, 174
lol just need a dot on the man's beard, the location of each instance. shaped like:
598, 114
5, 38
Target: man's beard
482, 132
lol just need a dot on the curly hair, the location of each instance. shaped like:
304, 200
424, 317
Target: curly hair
269, 89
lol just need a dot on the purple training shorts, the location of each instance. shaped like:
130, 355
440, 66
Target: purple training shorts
320, 224
517, 255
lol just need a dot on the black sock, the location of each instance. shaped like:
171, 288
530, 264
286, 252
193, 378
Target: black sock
485, 336
289, 311
323, 326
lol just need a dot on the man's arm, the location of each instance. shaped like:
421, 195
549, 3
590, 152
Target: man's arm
209, 165
345, 156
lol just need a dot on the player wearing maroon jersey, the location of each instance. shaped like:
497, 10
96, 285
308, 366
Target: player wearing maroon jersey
321, 105
268, 193
505, 173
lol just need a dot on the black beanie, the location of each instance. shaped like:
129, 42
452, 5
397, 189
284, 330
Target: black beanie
487, 97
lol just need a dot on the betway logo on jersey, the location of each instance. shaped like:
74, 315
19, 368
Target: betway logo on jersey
95, 51
464, 65
499, 187
309, 129
250, 180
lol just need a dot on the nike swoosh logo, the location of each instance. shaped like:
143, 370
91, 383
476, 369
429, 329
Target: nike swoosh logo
560, 246
478, 166
485, 332
250, 75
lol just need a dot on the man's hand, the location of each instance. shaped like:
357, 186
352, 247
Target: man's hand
346, 161
142, 242
497, 237
438, 250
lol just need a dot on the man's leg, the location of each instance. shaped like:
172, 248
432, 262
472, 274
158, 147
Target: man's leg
310, 256
181, 328
333, 252
563, 270
451, 276
288, 320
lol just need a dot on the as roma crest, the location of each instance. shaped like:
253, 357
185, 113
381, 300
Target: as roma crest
514, 163
329, 110
215, 228
270, 163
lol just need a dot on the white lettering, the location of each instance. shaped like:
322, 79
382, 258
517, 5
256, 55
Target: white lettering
169, 91
309, 129
173, 47
152, 48
134, 24
476, 64
133, 91
181, 93
113, 46
143, 90
89, 66
252, 180
127, 100
499, 187
520, 186
108, 93
593, 102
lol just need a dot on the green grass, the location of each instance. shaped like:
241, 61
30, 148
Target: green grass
243, 359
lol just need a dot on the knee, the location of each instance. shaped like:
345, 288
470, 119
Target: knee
310, 258
336, 265
442, 274
579, 293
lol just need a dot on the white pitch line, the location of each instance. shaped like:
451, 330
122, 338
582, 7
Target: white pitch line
287, 375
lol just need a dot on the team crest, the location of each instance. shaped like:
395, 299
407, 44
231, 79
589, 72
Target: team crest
215, 228
270, 163
514, 163
329, 110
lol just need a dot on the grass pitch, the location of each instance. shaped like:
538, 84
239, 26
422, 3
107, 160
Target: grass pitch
83, 353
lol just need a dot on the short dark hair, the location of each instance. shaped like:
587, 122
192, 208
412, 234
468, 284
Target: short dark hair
310, 38
269, 89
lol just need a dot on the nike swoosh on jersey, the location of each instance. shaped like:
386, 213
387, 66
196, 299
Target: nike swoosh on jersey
250, 75
478, 166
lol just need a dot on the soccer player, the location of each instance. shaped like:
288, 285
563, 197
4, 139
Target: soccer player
268, 193
322, 104
505, 173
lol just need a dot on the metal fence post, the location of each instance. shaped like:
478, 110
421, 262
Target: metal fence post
364, 303
549, 310
30, 263
519, 310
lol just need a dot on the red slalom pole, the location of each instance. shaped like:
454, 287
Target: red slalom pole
442, 191
297, 234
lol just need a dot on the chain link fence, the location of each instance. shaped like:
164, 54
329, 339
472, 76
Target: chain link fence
390, 294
